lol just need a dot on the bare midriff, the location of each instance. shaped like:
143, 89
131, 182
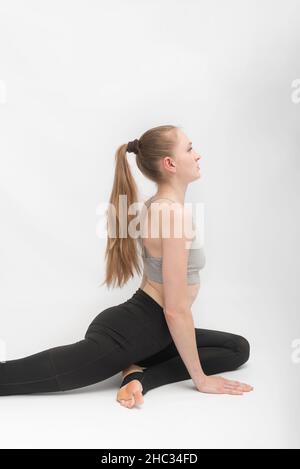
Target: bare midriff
155, 290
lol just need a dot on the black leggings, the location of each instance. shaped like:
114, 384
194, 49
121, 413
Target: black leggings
132, 332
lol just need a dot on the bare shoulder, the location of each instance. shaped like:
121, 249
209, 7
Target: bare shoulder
176, 218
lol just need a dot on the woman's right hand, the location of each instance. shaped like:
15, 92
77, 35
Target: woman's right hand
220, 385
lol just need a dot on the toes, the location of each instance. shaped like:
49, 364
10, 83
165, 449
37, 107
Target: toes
128, 398
139, 397
130, 403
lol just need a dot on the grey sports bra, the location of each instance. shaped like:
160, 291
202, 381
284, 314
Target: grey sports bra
153, 265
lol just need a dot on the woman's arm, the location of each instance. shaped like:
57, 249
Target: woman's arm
182, 329
177, 310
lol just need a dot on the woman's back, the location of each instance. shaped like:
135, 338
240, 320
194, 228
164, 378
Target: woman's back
152, 282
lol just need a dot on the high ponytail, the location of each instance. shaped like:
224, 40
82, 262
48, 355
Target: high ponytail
121, 254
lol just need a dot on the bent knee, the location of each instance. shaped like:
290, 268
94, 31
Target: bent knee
243, 348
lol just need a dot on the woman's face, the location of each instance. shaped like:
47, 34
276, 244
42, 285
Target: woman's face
186, 159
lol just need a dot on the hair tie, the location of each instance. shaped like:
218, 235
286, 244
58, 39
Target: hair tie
133, 147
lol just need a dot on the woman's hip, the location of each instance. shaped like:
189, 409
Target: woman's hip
138, 324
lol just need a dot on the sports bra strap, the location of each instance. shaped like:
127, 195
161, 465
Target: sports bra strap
159, 198
147, 204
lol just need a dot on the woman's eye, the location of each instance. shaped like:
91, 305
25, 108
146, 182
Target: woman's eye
190, 148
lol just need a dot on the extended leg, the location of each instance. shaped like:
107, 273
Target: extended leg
112, 340
218, 352
61, 368
115, 338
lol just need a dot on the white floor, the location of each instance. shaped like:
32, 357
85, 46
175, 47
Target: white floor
175, 415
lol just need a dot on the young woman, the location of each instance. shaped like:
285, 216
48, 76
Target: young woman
150, 337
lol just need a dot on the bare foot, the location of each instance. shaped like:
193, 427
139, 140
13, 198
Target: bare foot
130, 394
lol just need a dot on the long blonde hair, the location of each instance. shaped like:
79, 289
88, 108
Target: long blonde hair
121, 254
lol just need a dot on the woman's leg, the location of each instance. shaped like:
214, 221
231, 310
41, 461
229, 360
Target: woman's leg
116, 337
56, 369
218, 352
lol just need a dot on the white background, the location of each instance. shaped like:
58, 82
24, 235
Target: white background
78, 79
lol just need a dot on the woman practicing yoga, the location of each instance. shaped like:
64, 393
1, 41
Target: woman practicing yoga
151, 337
